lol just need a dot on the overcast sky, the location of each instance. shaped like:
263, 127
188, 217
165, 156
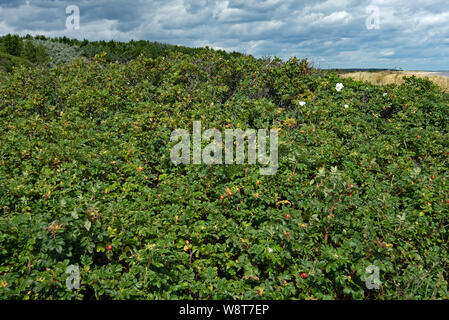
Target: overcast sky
409, 34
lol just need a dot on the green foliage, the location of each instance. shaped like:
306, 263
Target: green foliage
35, 53
58, 53
123, 52
15, 52
12, 44
85, 164
8, 62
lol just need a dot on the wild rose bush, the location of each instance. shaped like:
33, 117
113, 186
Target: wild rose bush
86, 179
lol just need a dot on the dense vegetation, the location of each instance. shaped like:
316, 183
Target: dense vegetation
86, 179
50, 52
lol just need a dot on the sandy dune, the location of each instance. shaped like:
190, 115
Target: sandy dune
387, 77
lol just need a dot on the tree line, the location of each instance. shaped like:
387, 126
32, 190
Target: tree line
41, 50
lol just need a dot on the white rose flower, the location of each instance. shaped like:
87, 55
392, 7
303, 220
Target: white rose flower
339, 86
301, 103
346, 106
269, 250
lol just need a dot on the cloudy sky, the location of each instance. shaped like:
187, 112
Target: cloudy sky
408, 34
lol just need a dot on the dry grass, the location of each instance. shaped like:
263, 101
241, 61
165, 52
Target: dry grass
387, 77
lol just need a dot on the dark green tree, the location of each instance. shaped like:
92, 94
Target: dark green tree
35, 54
12, 44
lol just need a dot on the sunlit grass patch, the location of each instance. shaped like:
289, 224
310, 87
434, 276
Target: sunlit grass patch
389, 77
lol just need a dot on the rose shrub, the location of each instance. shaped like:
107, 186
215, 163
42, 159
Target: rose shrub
86, 179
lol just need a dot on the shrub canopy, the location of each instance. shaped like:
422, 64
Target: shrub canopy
86, 179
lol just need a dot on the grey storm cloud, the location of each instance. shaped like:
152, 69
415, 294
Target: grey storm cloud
11, 3
412, 34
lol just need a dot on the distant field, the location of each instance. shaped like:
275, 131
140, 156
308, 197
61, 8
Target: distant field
387, 77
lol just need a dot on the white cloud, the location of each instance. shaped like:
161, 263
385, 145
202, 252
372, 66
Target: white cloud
387, 52
413, 34
337, 17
